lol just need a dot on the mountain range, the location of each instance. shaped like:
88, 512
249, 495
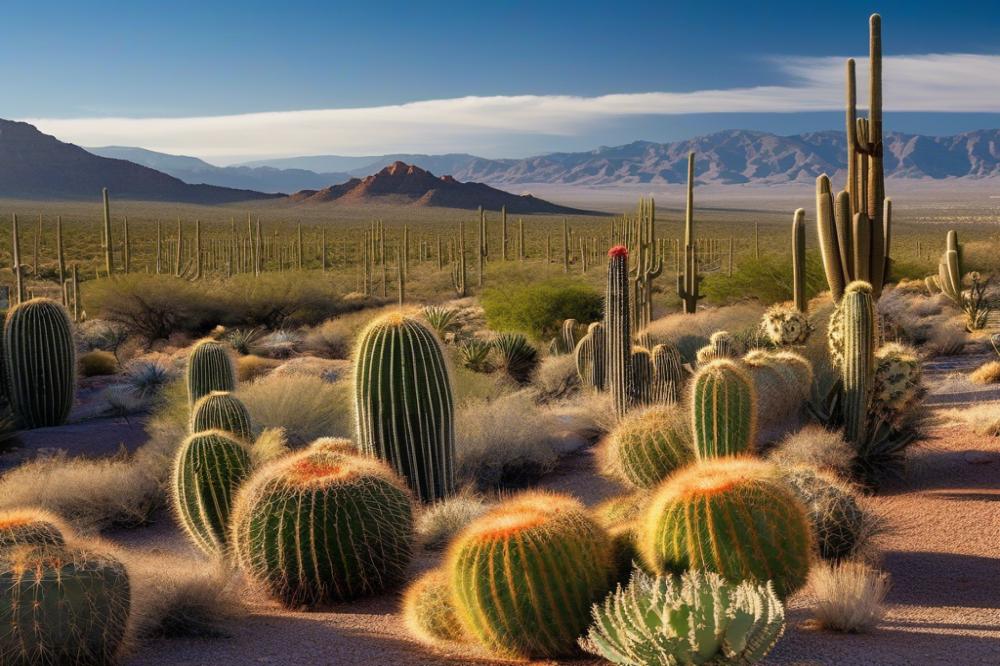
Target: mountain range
725, 158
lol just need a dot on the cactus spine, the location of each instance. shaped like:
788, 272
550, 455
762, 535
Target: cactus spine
208, 470
723, 410
592, 358
535, 556
220, 410
209, 369
687, 280
857, 367
404, 405
40, 362
799, 260
618, 334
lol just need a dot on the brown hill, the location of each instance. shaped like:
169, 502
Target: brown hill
38, 166
406, 184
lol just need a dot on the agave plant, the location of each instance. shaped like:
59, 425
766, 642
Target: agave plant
441, 319
476, 355
515, 356
244, 340
148, 378
697, 619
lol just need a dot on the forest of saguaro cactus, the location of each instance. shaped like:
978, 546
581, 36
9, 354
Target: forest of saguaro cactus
702, 428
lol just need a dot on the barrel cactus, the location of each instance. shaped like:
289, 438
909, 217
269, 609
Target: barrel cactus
648, 445
208, 471
839, 523
39, 362
669, 374
643, 377
898, 382
591, 357
783, 383
220, 410
523, 576
429, 612
30, 527
696, 619
721, 344
61, 605
404, 405
784, 325
723, 410
733, 516
318, 527
210, 368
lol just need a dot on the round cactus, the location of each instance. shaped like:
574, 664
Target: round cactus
898, 380
523, 576
723, 410
61, 606
40, 362
784, 326
404, 405
429, 612
839, 524
782, 382
210, 368
721, 344
220, 410
208, 470
643, 377
30, 527
318, 527
647, 446
733, 516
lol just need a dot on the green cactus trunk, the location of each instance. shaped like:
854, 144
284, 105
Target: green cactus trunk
617, 327
799, 260
723, 410
643, 377
651, 444
669, 375
404, 405
210, 368
592, 358
208, 471
220, 410
40, 362
857, 368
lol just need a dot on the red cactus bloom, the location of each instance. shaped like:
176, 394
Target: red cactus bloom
618, 251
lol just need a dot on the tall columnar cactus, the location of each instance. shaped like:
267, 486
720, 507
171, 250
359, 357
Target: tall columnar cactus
40, 362
208, 471
687, 279
647, 446
524, 575
799, 260
109, 247
319, 526
733, 516
643, 377
855, 230
404, 405
61, 605
30, 527
210, 368
592, 358
723, 410
221, 410
669, 374
568, 336
459, 270
618, 333
949, 277
857, 365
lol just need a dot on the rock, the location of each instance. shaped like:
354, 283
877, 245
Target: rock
978, 457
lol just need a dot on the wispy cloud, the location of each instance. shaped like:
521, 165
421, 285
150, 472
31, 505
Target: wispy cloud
933, 82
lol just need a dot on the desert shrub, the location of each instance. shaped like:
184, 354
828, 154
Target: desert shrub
279, 344
122, 400
280, 300
334, 338
848, 596
983, 418
251, 367
98, 363
987, 373
439, 522
244, 340
152, 306
768, 279
817, 447
539, 309
305, 406
148, 377
556, 378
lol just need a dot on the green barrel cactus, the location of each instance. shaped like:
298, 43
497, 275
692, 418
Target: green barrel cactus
40, 362
221, 410
696, 619
523, 576
208, 471
61, 606
320, 527
857, 365
669, 374
210, 368
30, 527
723, 410
786, 326
404, 405
721, 344
617, 329
839, 524
648, 445
429, 612
592, 358
733, 516
643, 377
898, 381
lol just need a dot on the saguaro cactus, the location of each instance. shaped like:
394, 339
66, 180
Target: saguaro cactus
618, 333
687, 280
857, 366
799, 260
209, 369
404, 405
592, 357
109, 247
723, 410
40, 362
949, 277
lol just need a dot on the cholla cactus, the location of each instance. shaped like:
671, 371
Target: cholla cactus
786, 326
898, 380
721, 344
697, 619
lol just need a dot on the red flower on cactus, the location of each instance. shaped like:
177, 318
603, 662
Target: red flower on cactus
618, 251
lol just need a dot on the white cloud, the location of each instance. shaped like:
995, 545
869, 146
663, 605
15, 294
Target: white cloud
934, 82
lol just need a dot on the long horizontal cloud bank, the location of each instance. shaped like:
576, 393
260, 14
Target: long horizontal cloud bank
936, 83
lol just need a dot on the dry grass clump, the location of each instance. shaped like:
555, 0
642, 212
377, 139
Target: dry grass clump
691, 331
848, 596
98, 363
251, 367
987, 373
438, 523
817, 447
556, 378
983, 418
305, 406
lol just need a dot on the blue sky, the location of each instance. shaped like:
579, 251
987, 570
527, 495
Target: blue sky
68, 65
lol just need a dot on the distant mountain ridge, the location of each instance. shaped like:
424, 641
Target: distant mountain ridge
406, 184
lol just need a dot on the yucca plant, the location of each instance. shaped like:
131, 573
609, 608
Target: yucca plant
245, 340
698, 618
442, 319
515, 356
475, 355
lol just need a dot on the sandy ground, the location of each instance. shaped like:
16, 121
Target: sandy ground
944, 606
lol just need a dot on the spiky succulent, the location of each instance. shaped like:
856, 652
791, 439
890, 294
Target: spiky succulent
898, 380
475, 354
785, 326
839, 523
646, 446
30, 527
515, 356
698, 618
442, 319
429, 612
721, 344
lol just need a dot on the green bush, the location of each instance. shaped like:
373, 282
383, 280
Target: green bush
98, 363
539, 309
768, 279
